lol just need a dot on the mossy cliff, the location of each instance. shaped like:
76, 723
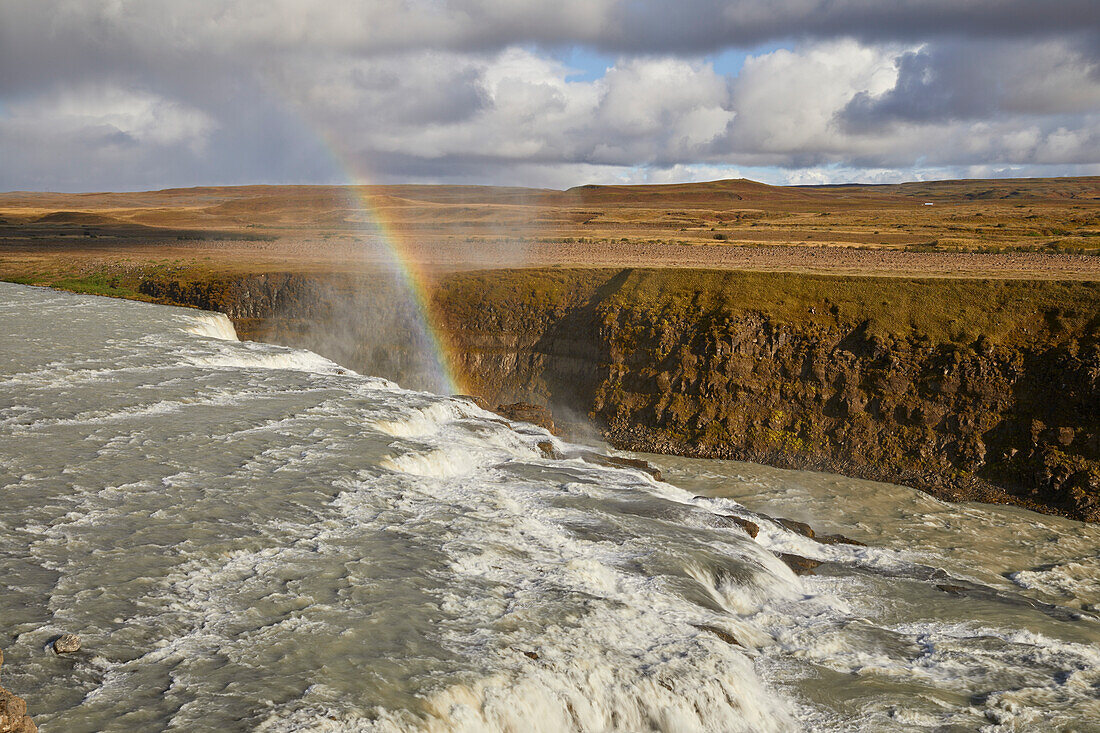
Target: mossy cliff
969, 389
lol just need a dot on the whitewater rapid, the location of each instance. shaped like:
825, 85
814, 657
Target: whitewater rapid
250, 537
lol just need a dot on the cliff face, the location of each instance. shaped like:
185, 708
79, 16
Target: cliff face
986, 390
969, 390
974, 421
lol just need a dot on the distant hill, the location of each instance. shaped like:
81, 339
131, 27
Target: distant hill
304, 207
1029, 189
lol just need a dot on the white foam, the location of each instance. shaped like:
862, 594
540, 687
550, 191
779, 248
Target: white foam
422, 421
212, 325
629, 657
440, 463
597, 692
1075, 579
267, 358
749, 597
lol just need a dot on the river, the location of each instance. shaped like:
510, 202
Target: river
251, 537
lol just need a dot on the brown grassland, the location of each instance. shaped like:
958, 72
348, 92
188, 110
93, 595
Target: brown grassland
1013, 228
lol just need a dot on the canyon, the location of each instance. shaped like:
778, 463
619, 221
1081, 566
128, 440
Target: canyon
984, 390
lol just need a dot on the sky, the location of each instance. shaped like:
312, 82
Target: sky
150, 94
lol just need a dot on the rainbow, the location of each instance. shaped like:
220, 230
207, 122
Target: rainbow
414, 277
416, 280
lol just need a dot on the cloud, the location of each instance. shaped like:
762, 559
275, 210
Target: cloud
788, 100
133, 93
614, 26
517, 106
124, 115
75, 131
890, 107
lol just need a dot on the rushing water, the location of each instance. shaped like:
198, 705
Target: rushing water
248, 537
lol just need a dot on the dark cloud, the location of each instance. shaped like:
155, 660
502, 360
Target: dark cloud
957, 81
710, 24
650, 26
927, 89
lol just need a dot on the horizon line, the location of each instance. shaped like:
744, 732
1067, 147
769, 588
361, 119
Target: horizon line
544, 189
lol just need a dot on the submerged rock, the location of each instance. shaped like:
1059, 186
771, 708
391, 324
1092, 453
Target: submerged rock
475, 399
66, 644
751, 528
548, 449
797, 527
527, 412
619, 462
839, 539
800, 565
720, 633
955, 590
13, 714
807, 531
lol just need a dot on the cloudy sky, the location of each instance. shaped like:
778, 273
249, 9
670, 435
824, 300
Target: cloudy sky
140, 94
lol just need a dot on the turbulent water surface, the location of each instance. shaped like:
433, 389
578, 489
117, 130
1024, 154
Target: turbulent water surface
248, 537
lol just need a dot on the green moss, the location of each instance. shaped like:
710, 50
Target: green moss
98, 284
786, 440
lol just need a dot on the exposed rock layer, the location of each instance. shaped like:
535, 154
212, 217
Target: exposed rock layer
984, 390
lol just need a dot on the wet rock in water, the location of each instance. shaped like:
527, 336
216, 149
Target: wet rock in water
13, 712
526, 412
548, 449
66, 644
797, 527
619, 462
800, 565
955, 590
720, 633
531, 655
751, 528
839, 539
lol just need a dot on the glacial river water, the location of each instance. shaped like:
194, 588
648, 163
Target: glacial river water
249, 537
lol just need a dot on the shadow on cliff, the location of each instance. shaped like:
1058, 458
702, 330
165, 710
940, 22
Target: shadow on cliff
576, 361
